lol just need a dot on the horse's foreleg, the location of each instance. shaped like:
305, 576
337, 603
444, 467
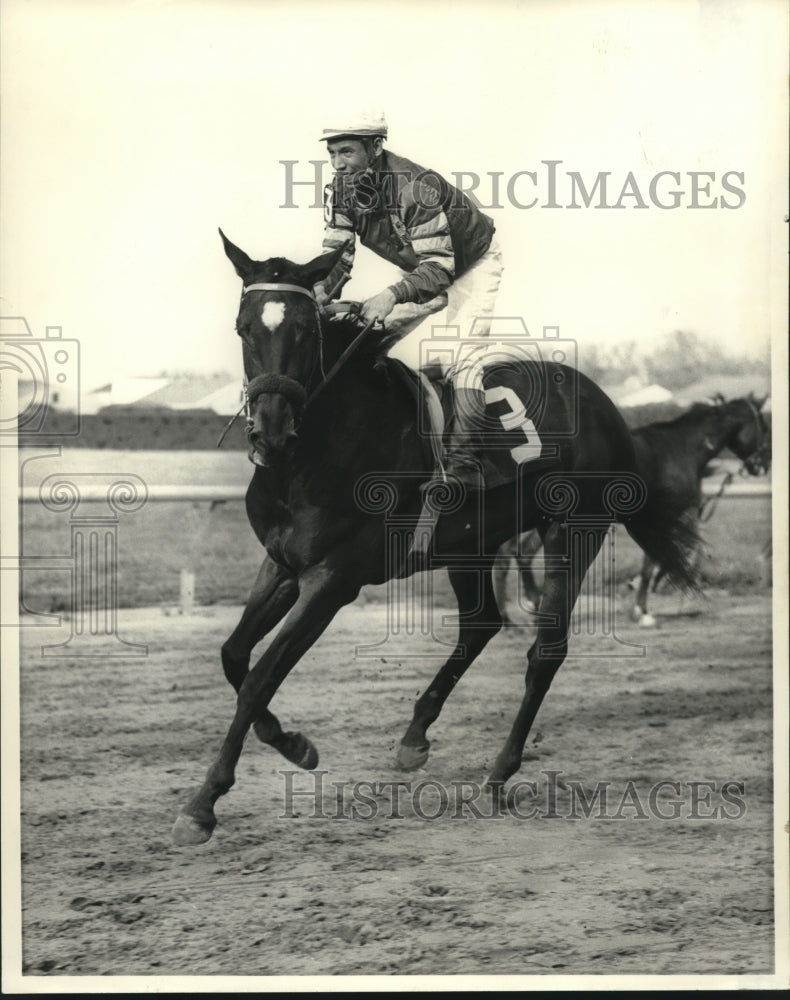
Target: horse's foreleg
321, 594
273, 594
568, 557
479, 622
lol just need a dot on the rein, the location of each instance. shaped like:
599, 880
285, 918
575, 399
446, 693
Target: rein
352, 347
709, 503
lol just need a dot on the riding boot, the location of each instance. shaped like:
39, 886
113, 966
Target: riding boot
463, 463
464, 450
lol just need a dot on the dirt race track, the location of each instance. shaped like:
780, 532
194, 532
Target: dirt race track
113, 747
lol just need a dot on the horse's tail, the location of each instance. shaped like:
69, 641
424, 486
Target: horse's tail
666, 532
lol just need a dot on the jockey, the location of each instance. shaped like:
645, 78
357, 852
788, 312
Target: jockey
443, 244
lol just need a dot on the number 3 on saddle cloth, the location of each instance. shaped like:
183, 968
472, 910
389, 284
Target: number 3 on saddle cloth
514, 431
516, 435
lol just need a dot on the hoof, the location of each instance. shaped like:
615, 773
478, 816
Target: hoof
496, 789
647, 621
411, 758
293, 746
300, 751
187, 832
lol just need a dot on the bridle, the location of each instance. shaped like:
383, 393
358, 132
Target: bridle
284, 385
751, 464
270, 382
756, 459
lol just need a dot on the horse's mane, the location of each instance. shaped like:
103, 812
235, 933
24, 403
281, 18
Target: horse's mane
693, 414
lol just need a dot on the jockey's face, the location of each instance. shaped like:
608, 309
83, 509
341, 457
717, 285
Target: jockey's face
350, 156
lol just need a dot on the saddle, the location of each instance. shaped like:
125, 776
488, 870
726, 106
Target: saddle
515, 399
511, 444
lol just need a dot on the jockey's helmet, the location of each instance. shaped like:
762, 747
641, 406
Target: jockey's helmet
363, 125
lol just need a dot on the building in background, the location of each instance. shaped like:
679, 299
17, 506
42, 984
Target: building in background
220, 393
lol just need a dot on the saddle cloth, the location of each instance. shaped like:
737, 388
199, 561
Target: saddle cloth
510, 440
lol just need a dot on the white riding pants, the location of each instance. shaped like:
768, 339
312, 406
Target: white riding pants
470, 303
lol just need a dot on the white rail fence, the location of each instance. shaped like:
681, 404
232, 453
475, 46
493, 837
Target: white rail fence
221, 494
93, 502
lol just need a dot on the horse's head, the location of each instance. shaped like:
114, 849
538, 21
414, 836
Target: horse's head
750, 438
280, 329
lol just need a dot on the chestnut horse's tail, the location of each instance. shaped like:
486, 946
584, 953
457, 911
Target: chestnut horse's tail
667, 533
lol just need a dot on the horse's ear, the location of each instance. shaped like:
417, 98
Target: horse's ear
320, 267
243, 264
760, 403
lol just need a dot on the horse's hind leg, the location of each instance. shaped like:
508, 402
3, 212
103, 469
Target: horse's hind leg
499, 575
523, 549
528, 547
568, 557
639, 612
479, 622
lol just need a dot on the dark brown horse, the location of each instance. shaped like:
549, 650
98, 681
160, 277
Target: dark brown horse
671, 456
335, 499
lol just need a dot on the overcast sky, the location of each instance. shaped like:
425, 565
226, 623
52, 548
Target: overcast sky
132, 130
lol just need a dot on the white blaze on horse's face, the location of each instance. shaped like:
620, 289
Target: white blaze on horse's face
273, 314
